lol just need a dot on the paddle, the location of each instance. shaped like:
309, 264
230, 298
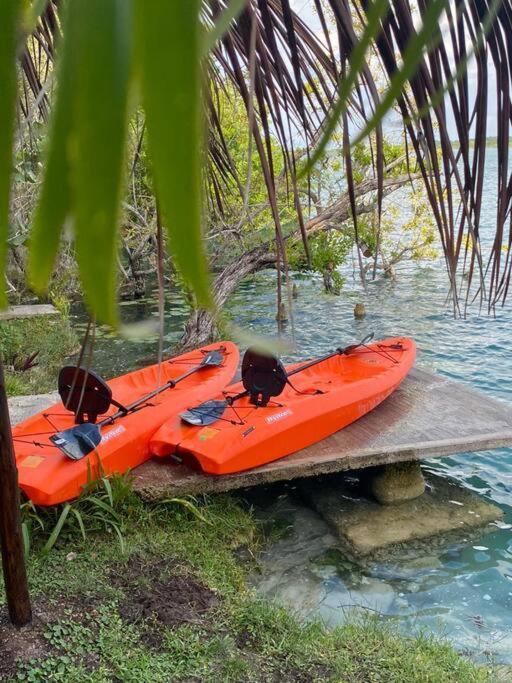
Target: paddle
263, 376
79, 441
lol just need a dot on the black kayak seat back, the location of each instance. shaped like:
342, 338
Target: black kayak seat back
263, 376
84, 393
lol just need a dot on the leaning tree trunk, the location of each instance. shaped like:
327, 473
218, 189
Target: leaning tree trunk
201, 326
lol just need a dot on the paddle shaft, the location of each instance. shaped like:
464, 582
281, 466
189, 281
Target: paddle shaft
131, 406
339, 352
315, 361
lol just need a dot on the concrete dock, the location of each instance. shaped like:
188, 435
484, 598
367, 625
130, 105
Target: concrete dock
428, 416
393, 503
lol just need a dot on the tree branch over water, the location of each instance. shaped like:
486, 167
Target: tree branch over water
201, 326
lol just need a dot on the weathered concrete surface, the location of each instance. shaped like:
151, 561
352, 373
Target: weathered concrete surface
365, 527
28, 311
396, 483
21, 407
428, 416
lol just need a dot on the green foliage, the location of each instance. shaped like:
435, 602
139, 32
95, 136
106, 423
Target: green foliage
10, 16
168, 47
59, 669
55, 196
61, 302
394, 155
253, 217
101, 92
88, 135
51, 336
100, 41
105, 505
407, 231
15, 384
329, 250
99, 508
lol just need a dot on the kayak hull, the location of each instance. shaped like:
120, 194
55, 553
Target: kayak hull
324, 399
49, 477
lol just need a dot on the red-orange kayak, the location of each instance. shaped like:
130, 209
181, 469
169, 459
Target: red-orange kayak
321, 400
48, 476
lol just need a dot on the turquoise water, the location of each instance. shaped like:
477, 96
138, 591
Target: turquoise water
462, 591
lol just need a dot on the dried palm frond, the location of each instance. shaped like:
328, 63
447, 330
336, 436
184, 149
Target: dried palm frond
299, 85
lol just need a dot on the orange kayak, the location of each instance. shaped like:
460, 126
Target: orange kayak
321, 400
48, 476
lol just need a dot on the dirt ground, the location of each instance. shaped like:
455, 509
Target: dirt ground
155, 594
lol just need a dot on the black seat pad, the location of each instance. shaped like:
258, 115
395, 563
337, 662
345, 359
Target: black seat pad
263, 376
83, 392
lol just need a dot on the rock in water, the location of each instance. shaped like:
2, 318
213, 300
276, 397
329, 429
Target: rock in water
295, 291
398, 483
359, 311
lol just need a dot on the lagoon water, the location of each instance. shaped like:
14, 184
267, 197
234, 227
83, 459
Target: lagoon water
462, 591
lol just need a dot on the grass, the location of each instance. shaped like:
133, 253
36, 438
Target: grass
175, 606
54, 340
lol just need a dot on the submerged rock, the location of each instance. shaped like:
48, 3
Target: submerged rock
359, 311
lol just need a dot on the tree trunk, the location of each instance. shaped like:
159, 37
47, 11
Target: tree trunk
11, 539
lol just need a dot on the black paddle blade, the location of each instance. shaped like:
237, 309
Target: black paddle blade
83, 392
78, 441
212, 359
263, 376
205, 413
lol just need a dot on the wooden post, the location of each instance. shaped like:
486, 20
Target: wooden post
11, 539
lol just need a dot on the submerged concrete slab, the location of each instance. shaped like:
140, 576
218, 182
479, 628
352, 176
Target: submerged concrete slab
28, 311
364, 527
428, 416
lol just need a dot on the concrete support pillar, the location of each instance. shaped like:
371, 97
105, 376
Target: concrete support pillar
395, 483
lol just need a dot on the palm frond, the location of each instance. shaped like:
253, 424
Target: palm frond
300, 86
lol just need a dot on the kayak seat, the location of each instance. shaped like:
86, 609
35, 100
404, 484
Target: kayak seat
85, 393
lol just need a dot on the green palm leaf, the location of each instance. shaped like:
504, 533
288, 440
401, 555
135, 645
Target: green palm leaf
169, 45
103, 46
9, 25
55, 198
